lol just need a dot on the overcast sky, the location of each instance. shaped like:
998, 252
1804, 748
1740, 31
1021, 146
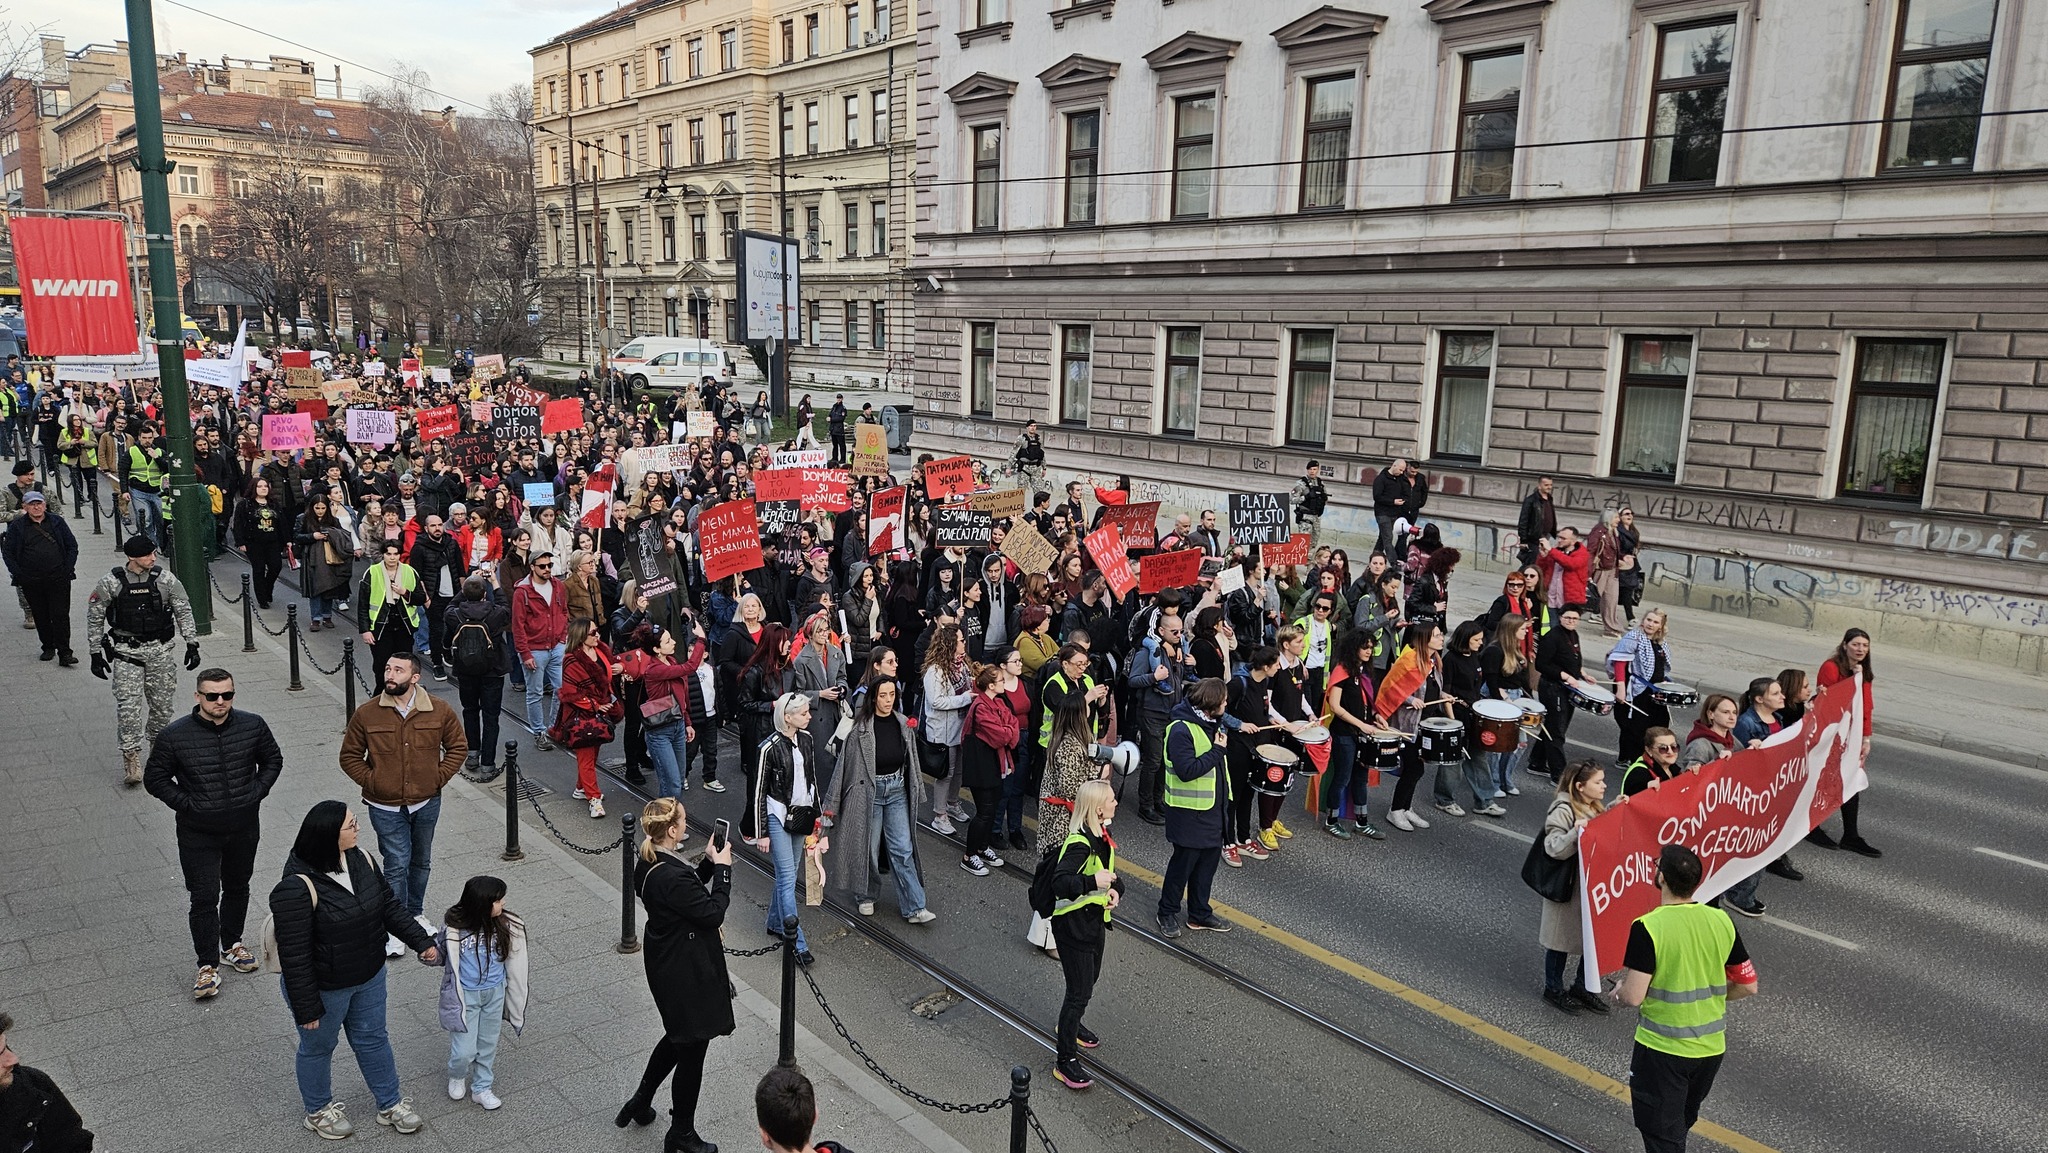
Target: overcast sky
470, 48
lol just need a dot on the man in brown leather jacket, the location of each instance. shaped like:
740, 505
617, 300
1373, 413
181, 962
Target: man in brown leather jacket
402, 747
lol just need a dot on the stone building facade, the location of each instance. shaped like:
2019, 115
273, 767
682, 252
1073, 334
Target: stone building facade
1775, 276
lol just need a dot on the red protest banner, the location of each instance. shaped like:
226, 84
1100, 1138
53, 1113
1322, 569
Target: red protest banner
525, 394
953, 476
1138, 524
436, 423
316, 408
729, 537
826, 488
1739, 814
75, 293
1168, 570
562, 415
1106, 548
294, 358
1295, 551
885, 520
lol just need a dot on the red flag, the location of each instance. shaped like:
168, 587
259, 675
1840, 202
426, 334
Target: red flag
75, 293
597, 500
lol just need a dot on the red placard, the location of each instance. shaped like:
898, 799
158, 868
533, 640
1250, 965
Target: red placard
1169, 570
318, 409
525, 394
75, 292
1138, 524
953, 476
729, 539
436, 423
826, 488
562, 415
294, 358
1106, 548
885, 520
1295, 551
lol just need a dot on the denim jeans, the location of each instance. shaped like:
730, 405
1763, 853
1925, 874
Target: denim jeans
1553, 972
668, 747
1343, 756
788, 852
1743, 892
149, 515
545, 674
1016, 788
406, 842
1477, 779
321, 608
483, 1014
360, 1010
891, 817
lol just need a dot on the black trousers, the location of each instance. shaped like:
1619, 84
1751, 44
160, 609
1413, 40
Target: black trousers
636, 738
981, 831
686, 1060
217, 867
838, 445
1081, 963
1190, 872
1151, 763
1634, 722
1549, 755
482, 697
1412, 770
1667, 1092
49, 602
266, 562
1242, 763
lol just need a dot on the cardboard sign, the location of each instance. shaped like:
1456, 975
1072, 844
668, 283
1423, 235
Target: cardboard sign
1229, 579
527, 394
436, 423
373, 368
372, 426
999, 503
441, 375
953, 476
729, 539
954, 527
663, 457
648, 559
315, 408
340, 392
480, 411
777, 516
285, 432
539, 494
510, 422
826, 488
294, 358
1169, 570
699, 422
1258, 518
870, 450
301, 383
885, 520
474, 453
797, 458
562, 415
490, 367
1106, 548
1294, 552
1137, 524
1032, 552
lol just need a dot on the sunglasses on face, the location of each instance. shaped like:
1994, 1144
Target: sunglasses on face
1667, 748
226, 696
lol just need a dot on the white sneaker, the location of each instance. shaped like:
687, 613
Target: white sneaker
941, 825
596, 808
457, 1088
867, 908
1492, 810
579, 794
1513, 791
989, 858
1415, 818
425, 924
1452, 807
393, 947
487, 1099
1399, 820
922, 917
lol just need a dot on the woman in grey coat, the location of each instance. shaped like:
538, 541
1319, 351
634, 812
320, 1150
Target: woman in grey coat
1581, 794
870, 806
818, 669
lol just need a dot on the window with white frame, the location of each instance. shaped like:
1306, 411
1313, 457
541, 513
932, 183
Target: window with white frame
878, 224
852, 232
1464, 369
1183, 382
1311, 356
1194, 155
851, 324
1077, 370
188, 180
852, 121
988, 177
1649, 420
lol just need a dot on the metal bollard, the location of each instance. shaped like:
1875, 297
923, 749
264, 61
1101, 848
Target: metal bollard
629, 926
291, 644
786, 1057
248, 611
512, 851
348, 676
96, 531
1020, 1107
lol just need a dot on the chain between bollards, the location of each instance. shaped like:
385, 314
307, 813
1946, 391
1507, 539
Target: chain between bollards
348, 680
786, 1054
291, 644
629, 927
248, 613
512, 850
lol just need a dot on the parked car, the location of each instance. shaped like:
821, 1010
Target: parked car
666, 362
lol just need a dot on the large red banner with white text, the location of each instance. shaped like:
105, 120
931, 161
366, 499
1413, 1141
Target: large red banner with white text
74, 286
1739, 814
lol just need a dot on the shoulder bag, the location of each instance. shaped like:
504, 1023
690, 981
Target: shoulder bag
1552, 879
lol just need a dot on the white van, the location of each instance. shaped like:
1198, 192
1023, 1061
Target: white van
670, 362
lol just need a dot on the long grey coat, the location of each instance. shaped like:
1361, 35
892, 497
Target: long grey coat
856, 838
811, 675
1561, 928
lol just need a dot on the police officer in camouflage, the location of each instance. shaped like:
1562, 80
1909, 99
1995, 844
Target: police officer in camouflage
136, 612
1310, 498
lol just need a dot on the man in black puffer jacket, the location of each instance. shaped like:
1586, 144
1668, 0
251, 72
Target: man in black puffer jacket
213, 768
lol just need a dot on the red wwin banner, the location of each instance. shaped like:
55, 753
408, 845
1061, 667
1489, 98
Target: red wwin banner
74, 286
1739, 814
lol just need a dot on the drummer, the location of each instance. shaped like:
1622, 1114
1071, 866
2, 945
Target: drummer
1248, 714
1413, 686
1559, 671
1639, 663
1464, 680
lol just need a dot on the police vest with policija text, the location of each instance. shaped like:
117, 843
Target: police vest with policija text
139, 613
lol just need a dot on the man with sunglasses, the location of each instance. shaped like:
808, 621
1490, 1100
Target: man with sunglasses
213, 767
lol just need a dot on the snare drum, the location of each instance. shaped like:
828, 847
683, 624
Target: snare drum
1387, 750
1500, 726
1533, 716
1673, 693
1588, 697
1313, 735
1441, 739
1276, 768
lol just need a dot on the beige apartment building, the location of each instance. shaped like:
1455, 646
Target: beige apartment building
666, 126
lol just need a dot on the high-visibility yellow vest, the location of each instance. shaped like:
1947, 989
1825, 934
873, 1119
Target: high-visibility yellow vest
147, 471
1045, 725
1685, 1011
1199, 793
1089, 868
408, 581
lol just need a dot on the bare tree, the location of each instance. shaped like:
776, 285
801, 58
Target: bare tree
285, 236
21, 47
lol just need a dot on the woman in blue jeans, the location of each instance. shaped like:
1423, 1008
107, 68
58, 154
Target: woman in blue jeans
665, 682
870, 807
786, 801
332, 912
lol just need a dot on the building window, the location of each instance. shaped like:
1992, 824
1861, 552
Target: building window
813, 40
788, 41
551, 96
788, 116
668, 240
185, 239
878, 221
1326, 147
1891, 418
1183, 381
852, 324
813, 133
664, 73
987, 12
665, 144
1464, 367
588, 255
316, 187
1309, 369
988, 178
879, 336
695, 51
852, 122
882, 18
583, 89
852, 234
625, 155
1650, 422
878, 106
813, 232
238, 187
699, 248
1076, 372
600, 86
1487, 123
1689, 103
1937, 90
697, 141
729, 50
1194, 155
1084, 143
555, 228
188, 180
729, 222
982, 371
552, 174
669, 319
817, 324
729, 135
852, 26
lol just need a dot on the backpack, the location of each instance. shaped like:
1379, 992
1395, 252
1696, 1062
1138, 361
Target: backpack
475, 650
272, 961
1040, 894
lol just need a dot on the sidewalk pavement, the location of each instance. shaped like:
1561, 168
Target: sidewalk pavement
1924, 697
96, 951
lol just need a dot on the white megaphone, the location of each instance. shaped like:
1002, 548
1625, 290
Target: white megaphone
1121, 757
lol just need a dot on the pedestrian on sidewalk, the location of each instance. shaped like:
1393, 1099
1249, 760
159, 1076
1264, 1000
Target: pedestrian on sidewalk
1581, 796
402, 746
42, 560
476, 626
483, 985
588, 706
1084, 880
1604, 545
213, 767
134, 614
1851, 657
34, 1113
685, 958
1197, 800
1536, 522
328, 911
11, 498
262, 527
540, 633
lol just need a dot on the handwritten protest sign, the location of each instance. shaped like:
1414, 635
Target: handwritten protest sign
870, 450
526, 394
1137, 524
490, 367
1032, 552
340, 392
373, 368
441, 375
315, 408
999, 503
294, 358
826, 488
699, 422
663, 457
1106, 548
514, 421
562, 415
372, 426
480, 411
1258, 518
797, 458
1168, 570
729, 536
777, 516
885, 520
436, 423
301, 383
648, 559
285, 432
1294, 552
475, 453
539, 494
954, 527
953, 476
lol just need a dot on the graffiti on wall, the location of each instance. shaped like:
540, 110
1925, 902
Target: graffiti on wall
1976, 607
1675, 507
2001, 541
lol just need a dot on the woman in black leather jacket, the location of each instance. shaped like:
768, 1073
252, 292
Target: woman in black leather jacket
786, 800
762, 680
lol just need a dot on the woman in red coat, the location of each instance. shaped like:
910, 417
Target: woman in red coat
586, 692
1851, 657
988, 743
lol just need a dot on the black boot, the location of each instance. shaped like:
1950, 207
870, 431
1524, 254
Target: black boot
638, 1110
686, 1141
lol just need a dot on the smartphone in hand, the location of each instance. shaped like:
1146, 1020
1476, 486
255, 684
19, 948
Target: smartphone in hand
720, 834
